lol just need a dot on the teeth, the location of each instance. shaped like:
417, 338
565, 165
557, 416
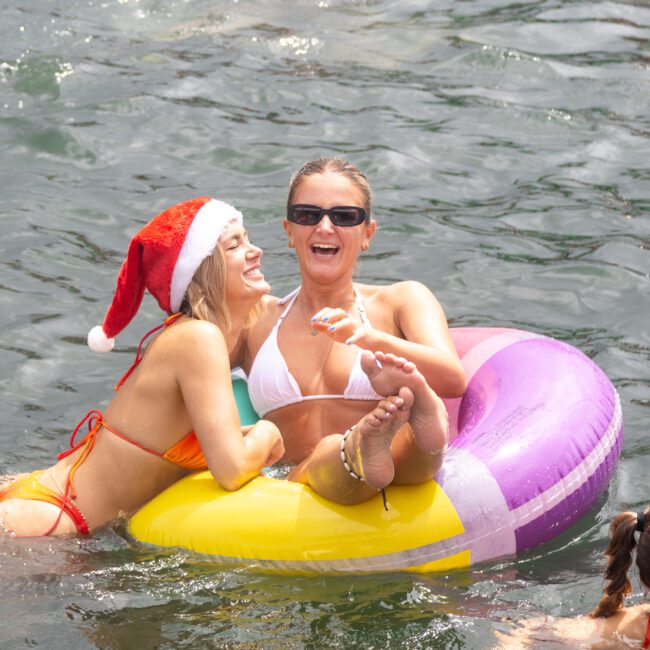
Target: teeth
324, 246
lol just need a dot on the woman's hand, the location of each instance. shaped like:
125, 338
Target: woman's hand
266, 438
341, 326
275, 440
234, 454
422, 334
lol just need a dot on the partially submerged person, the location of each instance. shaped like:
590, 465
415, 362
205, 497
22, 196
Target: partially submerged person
174, 410
610, 621
318, 358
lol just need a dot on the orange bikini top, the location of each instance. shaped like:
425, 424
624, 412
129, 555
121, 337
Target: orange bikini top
186, 452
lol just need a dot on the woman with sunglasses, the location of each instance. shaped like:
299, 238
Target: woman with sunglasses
610, 622
174, 410
322, 357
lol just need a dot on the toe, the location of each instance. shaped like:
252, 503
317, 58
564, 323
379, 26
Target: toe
407, 396
369, 363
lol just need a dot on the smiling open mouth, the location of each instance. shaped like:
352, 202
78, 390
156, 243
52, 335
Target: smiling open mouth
324, 249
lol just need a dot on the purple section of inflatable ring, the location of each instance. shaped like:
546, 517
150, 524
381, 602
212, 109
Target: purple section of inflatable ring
559, 404
551, 523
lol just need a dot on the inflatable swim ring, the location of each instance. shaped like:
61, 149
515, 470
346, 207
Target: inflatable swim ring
536, 440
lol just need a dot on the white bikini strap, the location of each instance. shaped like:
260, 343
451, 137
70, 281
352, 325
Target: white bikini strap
360, 308
290, 298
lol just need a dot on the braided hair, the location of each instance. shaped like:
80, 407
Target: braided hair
622, 543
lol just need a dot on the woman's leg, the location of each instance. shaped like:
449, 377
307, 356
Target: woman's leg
406, 447
31, 518
366, 451
30, 508
412, 465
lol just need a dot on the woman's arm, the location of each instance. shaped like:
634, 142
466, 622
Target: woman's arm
423, 325
203, 375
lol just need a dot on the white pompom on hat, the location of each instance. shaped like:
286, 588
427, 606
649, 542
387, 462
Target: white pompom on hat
163, 258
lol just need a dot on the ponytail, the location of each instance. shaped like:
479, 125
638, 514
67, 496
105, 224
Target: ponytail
619, 554
643, 553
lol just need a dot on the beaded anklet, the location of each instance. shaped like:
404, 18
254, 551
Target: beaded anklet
351, 472
344, 457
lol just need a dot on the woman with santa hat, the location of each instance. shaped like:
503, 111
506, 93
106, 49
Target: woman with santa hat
174, 410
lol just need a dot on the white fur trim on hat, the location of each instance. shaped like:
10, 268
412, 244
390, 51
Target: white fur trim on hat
204, 232
98, 341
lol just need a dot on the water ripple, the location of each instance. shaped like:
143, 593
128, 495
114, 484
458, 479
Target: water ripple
507, 147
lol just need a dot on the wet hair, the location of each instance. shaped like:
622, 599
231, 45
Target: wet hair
622, 542
332, 166
205, 298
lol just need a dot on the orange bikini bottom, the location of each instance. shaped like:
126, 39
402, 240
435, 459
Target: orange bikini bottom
29, 487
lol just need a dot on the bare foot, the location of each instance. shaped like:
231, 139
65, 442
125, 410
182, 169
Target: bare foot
368, 447
389, 373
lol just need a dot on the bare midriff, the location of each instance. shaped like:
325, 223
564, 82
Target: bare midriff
303, 425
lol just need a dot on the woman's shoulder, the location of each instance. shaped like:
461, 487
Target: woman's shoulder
272, 308
539, 631
395, 293
193, 334
258, 330
186, 346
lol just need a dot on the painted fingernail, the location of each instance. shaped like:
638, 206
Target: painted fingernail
331, 328
325, 318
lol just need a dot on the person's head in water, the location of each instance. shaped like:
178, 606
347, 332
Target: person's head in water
626, 527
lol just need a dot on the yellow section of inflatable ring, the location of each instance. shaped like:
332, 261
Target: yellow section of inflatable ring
276, 521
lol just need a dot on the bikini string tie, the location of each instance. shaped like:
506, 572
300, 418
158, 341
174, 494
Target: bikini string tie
95, 419
139, 354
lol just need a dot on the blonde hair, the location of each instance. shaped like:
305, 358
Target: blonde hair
619, 555
205, 298
332, 166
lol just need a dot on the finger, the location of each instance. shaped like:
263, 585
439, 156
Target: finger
337, 315
356, 335
339, 331
328, 314
320, 326
342, 324
319, 314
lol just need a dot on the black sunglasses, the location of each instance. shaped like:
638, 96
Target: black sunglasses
340, 215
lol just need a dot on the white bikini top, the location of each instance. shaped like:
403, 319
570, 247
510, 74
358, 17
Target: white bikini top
270, 384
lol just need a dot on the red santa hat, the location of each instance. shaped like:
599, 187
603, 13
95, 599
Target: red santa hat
163, 258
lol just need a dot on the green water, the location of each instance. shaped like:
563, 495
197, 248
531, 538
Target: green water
507, 144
